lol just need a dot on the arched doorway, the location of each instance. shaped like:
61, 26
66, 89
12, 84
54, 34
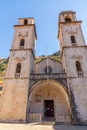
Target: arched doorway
50, 100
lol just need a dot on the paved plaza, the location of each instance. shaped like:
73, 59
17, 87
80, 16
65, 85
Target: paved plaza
6, 126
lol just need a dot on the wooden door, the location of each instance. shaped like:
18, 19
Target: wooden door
49, 108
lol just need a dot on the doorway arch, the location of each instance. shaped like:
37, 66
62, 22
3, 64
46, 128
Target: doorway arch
50, 99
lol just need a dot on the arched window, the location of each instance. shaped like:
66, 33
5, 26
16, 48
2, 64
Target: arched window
18, 70
67, 20
25, 22
78, 66
73, 40
22, 41
79, 69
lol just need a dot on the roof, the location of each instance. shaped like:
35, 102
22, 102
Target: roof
54, 58
68, 11
27, 18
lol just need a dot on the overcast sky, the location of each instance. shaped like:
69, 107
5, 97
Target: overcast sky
45, 13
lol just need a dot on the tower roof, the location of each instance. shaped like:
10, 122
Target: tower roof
68, 11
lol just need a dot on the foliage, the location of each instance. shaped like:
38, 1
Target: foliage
4, 61
3, 65
55, 56
56, 53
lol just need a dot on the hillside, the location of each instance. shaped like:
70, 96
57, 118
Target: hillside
40, 58
4, 62
3, 66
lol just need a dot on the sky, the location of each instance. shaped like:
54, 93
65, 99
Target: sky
45, 13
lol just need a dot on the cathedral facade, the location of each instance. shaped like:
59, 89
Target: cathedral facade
48, 90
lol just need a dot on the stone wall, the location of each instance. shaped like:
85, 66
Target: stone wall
56, 66
14, 100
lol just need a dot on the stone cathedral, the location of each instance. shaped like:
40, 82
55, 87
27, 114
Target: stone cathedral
47, 90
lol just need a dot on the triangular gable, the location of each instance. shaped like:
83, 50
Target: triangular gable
51, 58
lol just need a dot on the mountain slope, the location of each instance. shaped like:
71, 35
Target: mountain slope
4, 62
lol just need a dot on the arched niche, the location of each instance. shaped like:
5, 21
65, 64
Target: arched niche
50, 91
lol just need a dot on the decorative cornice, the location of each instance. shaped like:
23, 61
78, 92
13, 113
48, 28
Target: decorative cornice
29, 25
72, 22
85, 46
66, 23
77, 57
17, 78
30, 49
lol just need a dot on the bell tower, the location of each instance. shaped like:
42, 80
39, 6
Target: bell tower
21, 64
74, 61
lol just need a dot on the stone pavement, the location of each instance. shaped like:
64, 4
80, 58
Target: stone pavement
6, 126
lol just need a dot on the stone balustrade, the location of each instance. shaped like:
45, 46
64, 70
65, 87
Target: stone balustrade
41, 76
34, 117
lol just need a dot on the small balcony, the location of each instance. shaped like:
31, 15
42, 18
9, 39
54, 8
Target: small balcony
43, 76
17, 75
21, 47
80, 74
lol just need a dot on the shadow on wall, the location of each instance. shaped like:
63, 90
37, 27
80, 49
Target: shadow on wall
69, 127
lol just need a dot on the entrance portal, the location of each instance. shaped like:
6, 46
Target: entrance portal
48, 100
48, 108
